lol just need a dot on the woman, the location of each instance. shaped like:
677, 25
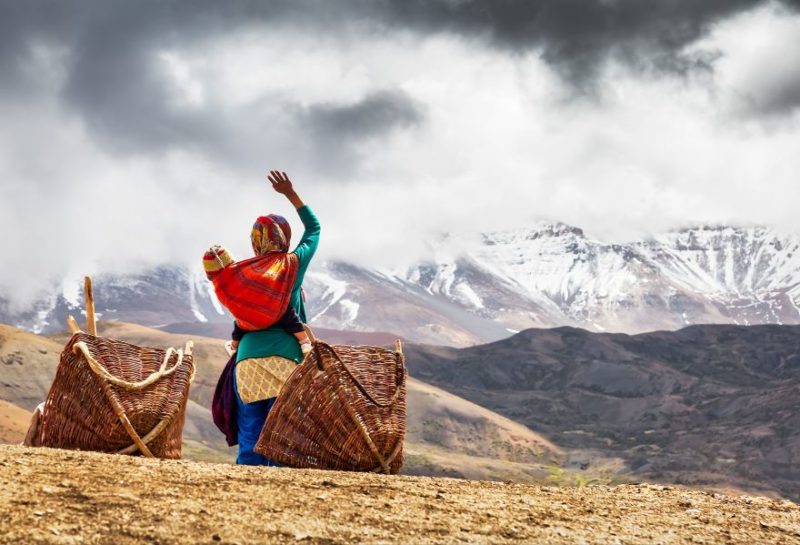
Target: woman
265, 358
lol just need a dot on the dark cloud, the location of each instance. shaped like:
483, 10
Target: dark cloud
785, 99
114, 82
574, 36
577, 37
373, 115
22, 26
333, 128
773, 103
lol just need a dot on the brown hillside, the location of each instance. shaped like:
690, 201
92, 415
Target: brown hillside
28, 363
332, 336
27, 366
448, 436
713, 405
14, 422
53, 496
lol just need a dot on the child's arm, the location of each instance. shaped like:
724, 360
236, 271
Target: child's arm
291, 323
236, 335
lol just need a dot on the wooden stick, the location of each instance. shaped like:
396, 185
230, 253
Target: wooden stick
398, 346
123, 418
147, 439
310, 333
88, 295
73, 325
118, 409
364, 433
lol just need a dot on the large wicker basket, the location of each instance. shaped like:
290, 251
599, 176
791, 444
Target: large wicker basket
344, 408
111, 396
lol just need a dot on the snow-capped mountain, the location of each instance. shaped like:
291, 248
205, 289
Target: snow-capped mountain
552, 275
544, 276
161, 296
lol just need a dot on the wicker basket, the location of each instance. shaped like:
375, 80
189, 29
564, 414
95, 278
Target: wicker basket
111, 396
344, 408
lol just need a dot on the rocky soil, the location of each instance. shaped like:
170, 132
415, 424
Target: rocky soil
54, 496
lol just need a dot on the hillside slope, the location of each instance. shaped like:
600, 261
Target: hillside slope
14, 422
53, 496
714, 405
447, 435
28, 364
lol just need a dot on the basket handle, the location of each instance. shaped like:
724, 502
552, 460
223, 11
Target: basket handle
152, 434
103, 373
314, 344
310, 333
400, 363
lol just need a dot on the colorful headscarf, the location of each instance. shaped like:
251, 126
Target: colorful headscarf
270, 233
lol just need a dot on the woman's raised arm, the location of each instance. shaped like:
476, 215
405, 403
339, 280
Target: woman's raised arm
308, 244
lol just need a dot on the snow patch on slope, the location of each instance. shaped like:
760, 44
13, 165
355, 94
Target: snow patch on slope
469, 294
349, 311
72, 292
332, 293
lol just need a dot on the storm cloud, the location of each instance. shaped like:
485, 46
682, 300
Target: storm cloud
115, 60
117, 76
578, 36
333, 127
114, 77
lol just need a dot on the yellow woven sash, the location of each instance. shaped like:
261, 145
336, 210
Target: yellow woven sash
262, 378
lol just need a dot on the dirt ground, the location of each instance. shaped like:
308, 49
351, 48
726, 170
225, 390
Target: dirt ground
56, 496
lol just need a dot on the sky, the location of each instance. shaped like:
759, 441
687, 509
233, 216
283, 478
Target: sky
138, 133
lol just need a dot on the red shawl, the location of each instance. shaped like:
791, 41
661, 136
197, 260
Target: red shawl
257, 290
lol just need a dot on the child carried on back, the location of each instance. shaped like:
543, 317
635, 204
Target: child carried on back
256, 291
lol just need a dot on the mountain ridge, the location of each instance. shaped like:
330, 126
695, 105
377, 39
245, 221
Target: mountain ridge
547, 275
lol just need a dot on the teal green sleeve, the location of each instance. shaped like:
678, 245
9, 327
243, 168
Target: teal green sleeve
307, 246
305, 251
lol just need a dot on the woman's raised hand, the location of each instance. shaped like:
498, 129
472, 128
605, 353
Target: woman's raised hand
283, 185
280, 182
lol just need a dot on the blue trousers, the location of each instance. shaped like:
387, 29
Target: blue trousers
250, 418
